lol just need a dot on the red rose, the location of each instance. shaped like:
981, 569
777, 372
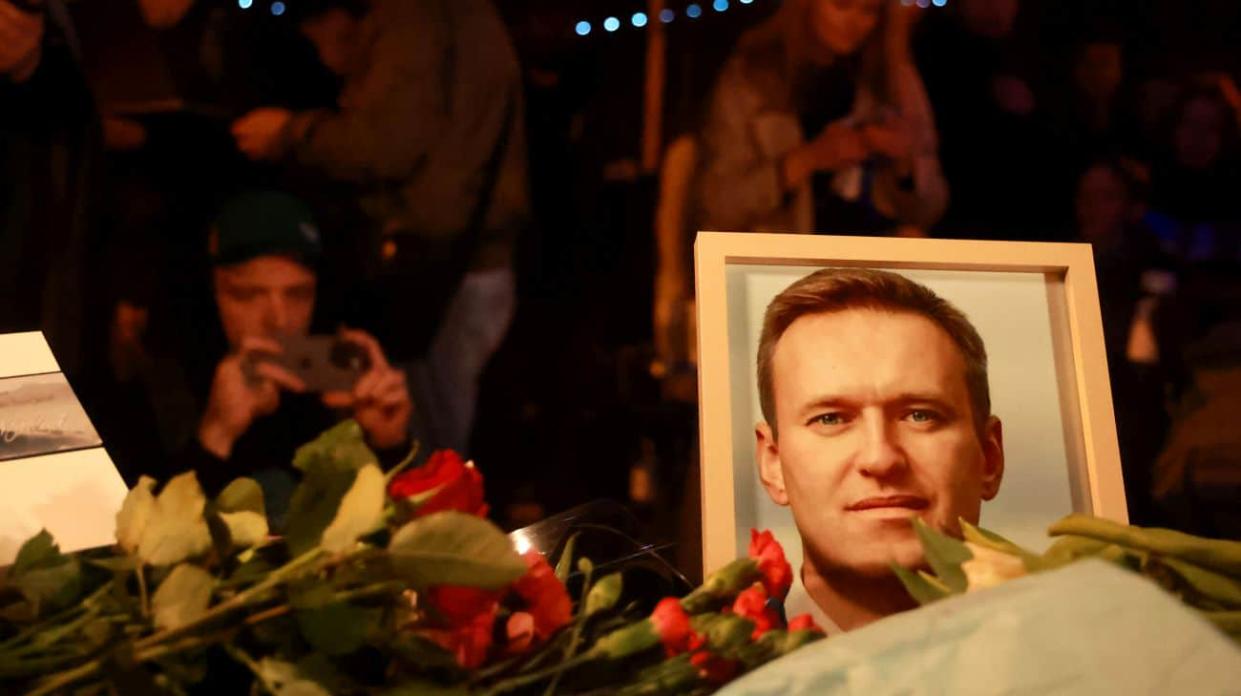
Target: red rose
712, 668
752, 604
803, 622
775, 569
546, 598
457, 606
671, 624
451, 483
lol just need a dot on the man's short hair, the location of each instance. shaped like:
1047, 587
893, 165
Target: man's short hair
838, 289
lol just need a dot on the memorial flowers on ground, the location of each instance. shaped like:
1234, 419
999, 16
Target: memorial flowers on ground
379, 583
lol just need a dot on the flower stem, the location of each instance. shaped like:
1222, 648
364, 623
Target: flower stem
236, 601
143, 600
521, 680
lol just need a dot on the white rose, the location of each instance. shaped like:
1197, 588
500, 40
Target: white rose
989, 567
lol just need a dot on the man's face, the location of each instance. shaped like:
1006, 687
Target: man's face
265, 296
335, 37
875, 426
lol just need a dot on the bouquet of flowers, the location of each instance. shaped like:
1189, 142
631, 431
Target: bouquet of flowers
378, 584
1203, 573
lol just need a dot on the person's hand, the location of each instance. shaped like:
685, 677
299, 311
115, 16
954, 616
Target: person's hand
238, 398
126, 351
838, 146
21, 42
263, 134
892, 138
380, 398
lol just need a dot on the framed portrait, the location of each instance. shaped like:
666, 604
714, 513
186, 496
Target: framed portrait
1035, 305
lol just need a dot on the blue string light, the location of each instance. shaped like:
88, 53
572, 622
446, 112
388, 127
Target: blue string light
666, 15
638, 19
277, 8
693, 11
746, 2
720, 5
582, 28
611, 24
939, 3
245, 4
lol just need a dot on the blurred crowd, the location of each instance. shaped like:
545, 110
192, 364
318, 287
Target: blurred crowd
455, 186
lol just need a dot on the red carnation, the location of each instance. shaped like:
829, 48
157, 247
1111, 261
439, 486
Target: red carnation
803, 622
451, 483
775, 570
671, 624
546, 598
752, 604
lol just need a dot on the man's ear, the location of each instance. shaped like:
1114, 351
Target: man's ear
767, 454
992, 458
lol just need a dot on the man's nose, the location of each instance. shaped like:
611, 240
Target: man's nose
880, 452
278, 315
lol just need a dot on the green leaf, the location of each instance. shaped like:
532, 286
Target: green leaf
45, 577
38, 550
284, 679
453, 548
945, 555
314, 504
243, 494
604, 594
1069, 548
988, 539
310, 593
182, 597
245, 528
924, 590
422, 654
135, 512
342, 447
338, 628
564, 566
176, 529
360, 511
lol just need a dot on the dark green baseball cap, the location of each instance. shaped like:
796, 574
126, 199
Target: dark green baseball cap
264, 223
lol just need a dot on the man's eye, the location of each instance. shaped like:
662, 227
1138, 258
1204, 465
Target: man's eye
923, 416
830, 419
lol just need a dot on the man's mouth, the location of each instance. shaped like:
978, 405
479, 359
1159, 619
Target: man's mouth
908, 502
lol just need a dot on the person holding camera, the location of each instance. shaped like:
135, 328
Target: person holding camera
277, 387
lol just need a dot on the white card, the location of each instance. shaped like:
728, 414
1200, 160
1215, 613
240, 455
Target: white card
54, 471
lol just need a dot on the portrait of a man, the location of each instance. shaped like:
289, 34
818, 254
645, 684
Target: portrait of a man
876, 409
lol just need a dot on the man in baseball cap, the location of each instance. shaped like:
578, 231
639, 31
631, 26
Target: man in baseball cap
264, 248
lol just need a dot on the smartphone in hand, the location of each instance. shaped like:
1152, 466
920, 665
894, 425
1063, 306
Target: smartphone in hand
323, 362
